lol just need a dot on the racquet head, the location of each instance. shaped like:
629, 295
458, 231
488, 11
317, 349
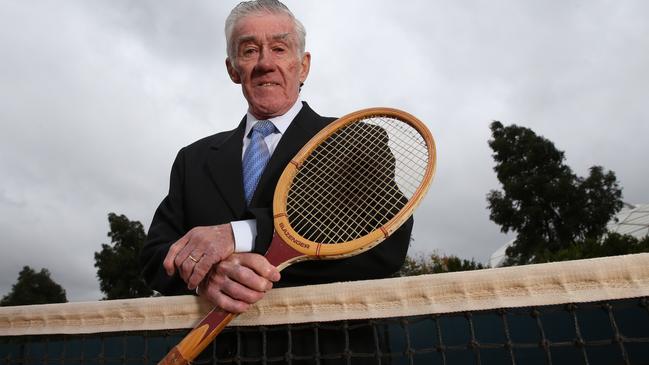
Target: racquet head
354, 183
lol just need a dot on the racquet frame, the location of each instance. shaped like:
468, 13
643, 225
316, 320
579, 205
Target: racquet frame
315, 250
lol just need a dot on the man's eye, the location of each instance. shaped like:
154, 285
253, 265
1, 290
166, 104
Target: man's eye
249, 51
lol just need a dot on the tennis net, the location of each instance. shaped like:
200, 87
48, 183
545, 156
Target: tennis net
577, 312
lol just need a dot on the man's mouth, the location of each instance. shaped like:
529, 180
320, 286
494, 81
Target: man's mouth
265, 84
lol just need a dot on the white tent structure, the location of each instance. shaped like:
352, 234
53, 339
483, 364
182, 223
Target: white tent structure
632, 219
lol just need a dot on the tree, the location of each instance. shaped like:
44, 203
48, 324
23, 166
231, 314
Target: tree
34, 288
118, 268
436, 263
543, 201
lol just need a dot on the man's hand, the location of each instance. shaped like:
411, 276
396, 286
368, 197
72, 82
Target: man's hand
194, 254
239, 281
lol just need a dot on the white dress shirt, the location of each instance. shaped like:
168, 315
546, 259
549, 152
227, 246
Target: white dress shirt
245, 231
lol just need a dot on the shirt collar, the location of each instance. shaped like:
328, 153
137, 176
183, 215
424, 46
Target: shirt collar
281, 122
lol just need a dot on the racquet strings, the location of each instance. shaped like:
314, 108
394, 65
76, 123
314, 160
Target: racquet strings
357, 180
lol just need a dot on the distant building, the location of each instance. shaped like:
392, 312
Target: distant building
632, 219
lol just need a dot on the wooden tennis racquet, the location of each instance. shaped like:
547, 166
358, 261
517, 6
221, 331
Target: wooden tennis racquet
349, 188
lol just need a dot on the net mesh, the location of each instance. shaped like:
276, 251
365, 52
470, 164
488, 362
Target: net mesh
605, 322
378, 162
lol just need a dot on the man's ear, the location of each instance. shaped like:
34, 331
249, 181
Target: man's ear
306, 65
234, 75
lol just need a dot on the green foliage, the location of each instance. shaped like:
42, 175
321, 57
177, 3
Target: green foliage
118, 268
612, 244
34, 288
542, 200
436, 263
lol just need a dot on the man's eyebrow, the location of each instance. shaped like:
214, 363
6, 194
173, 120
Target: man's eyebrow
281, 36
252, 38
246, 38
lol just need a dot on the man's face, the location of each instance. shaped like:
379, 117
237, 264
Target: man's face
267, 63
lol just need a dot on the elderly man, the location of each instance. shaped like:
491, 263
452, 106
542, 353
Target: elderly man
209, 232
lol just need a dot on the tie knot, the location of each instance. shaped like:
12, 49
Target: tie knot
264, 127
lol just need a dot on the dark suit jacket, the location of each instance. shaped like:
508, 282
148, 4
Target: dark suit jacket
206, 188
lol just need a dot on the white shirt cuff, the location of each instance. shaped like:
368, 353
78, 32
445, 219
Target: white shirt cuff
244, 235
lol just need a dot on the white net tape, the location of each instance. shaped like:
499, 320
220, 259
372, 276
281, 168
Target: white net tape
533, 285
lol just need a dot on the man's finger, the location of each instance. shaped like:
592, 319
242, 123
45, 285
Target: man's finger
186, 269
200, 270
250, 270
212, 290
169, 260
260, 265
229, 295
226, 303
239, 292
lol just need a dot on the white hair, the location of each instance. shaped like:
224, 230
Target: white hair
247, 8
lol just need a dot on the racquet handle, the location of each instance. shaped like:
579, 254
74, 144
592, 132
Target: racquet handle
280, 255
199, 338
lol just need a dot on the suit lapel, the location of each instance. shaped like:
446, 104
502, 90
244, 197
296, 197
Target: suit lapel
224, 166
305, 125
224, 159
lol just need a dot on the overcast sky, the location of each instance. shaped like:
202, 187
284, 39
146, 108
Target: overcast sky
96, 98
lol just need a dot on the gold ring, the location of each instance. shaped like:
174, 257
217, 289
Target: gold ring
193, 258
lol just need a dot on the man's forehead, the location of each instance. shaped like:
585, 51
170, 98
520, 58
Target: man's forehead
264, 26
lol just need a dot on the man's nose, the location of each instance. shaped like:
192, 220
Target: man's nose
265, 61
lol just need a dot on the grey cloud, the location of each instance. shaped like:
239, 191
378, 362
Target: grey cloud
98, 96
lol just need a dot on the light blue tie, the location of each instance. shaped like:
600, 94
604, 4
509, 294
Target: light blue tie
256, 156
